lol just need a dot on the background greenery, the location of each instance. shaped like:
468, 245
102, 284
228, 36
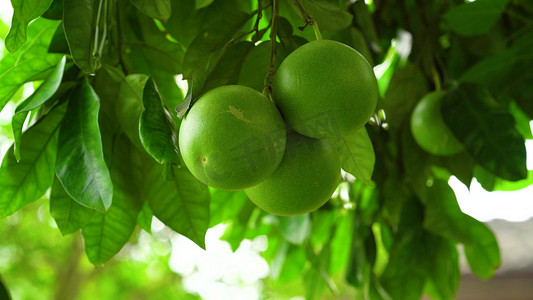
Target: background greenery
390, 231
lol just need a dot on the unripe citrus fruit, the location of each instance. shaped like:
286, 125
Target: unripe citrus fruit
325, 89
428, 128
233, 137
305, 179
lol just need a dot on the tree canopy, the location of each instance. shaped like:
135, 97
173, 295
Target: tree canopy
97, 138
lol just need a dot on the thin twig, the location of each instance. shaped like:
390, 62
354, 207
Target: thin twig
267, 91
309, 20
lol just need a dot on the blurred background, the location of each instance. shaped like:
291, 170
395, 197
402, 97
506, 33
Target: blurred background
36, 262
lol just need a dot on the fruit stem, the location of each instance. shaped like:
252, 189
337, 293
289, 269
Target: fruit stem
267, 91
317, 31
309, 20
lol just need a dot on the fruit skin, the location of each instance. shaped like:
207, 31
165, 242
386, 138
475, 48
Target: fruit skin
304, 181
428, 128
325, 89
233, 137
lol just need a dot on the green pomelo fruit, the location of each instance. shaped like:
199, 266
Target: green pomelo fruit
428, 128
305, 179
233, 137
325, 89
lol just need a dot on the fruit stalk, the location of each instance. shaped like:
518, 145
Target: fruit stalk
267, 91
309, 20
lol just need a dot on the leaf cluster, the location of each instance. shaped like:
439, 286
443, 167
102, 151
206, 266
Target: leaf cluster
100, 130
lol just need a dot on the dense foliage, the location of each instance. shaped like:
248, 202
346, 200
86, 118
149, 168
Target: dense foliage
100, 130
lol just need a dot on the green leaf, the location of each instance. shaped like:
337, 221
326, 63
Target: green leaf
295, 229
514, 62
24, 11
225, 206
68, 214
41, 95
145, 48
158, 9
226, 70
443, 216
504, 185
107, 233
144, 219
80, 166
443, 269
45, 90
255, 65
17, 122
31, 62
328, 14
340, 244
180, 201
406, 87
405, 274
471, 106
25, 181
55, 11
220, 68
59, 43
157, 131
293, 264
129, 106
4, 294
482, 253
357, 155
474, 18
208, 42
366, 23
83, 27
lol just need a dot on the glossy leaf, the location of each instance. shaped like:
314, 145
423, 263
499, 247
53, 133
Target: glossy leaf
41, 95
17, 122
255, 65
80, 166
471, 106
129, 106
24, 11
220, 68
82, 37
144, 219
405, 274
31, 62
504, 185
443, 216
55, 11
443, 270
68, 214
473, 18
180, 201
357, 155
407, 86
225, 206
157, 132
213, 39
158, 9
25, 181
145, 48
482, 253
107, 233
328, 14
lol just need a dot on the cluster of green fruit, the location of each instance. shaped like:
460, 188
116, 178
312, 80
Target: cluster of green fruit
235, 138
